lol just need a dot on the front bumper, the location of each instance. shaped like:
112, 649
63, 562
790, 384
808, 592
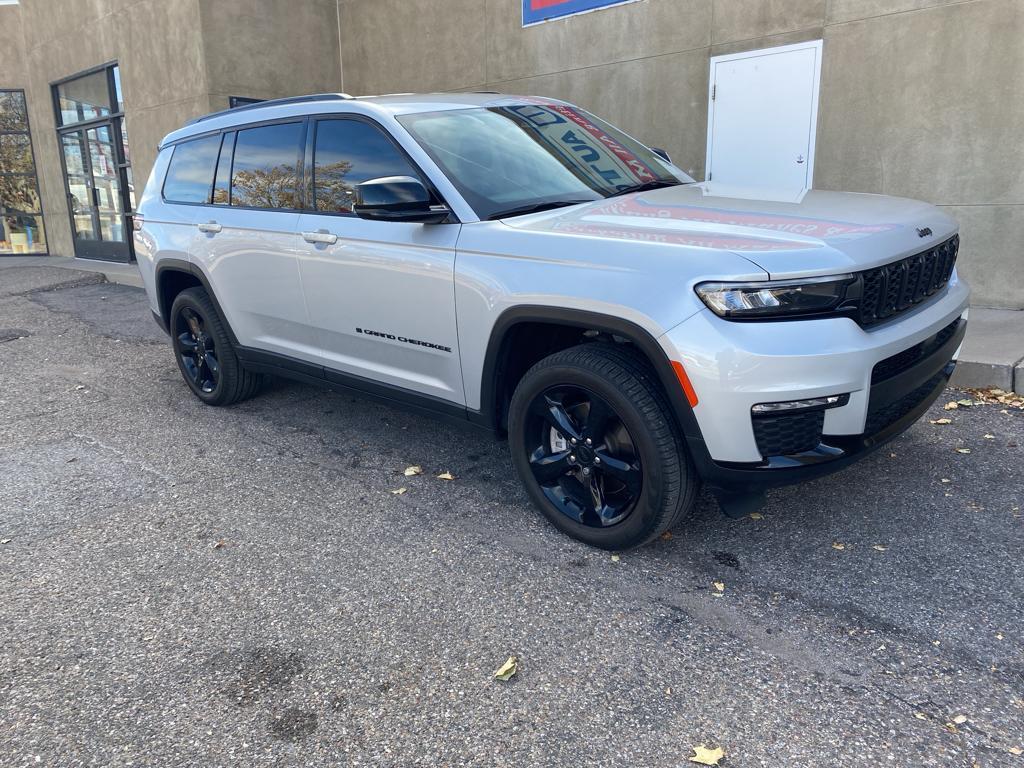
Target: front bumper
733, 366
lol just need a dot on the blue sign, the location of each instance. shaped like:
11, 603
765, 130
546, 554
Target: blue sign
542, 10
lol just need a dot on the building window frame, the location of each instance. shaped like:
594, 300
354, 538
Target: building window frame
34, 175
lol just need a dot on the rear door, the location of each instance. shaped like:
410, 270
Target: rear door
245, 238
381, 295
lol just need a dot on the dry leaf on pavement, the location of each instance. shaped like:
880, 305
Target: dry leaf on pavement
963, 450
446, 476
941, 421
950, 406
506, 670
705, 756
719, 586
399, 491
838, 545
5, 541
410, 471
756, 516
880, 547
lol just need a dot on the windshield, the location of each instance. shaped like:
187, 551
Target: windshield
517, 159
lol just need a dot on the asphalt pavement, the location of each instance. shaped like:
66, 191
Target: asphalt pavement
189, 586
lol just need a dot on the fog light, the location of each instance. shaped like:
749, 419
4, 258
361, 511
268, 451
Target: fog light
812, 403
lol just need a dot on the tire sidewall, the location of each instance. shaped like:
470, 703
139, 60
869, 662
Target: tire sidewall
636, 528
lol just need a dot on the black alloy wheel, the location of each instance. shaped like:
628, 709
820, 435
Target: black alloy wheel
204, 351
583, 457
597, 446
197, 351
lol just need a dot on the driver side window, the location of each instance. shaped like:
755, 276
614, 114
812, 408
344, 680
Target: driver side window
347, 152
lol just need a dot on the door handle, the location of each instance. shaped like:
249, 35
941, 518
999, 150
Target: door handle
320, 237
210, 226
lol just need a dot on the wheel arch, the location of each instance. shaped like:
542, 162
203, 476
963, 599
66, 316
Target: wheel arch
496, 384
175, 275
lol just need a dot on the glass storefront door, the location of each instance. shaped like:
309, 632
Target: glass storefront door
97, 171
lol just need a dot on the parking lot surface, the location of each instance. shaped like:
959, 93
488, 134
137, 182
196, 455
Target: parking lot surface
189, 586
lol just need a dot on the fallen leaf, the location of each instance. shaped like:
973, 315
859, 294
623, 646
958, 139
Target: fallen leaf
80, 387
838, 545
719, 586
990, 437
942, 421
920, 715
615, 558
960, 719
666, 536
946, 480
963, 450
506, 670
218, 544
5, 541
399, 491
950, 406
756, 516
705, 756
446, 476
410, 471
1016, 751
880, 547
999, 635
965, 402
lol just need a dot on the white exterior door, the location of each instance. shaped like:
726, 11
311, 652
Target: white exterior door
762, 116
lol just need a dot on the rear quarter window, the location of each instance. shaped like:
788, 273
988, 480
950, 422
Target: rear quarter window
190, 172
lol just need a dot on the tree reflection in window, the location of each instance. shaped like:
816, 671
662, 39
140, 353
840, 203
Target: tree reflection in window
265, 173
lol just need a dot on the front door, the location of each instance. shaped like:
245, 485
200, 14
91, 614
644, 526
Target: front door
380, 295
762, 116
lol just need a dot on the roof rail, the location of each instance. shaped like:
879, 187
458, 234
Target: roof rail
273, 103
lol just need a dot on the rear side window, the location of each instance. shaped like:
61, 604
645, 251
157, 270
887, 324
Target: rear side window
266, 165
190, 173
222, 184
346, 153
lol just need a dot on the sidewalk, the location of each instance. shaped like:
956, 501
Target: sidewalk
992, 355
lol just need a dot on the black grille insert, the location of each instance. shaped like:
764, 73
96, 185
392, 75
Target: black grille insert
881, 417
788, 433
894, 288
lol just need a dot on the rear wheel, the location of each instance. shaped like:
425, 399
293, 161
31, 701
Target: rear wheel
596, 446
205, 354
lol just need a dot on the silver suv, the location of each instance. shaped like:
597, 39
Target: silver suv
520, 264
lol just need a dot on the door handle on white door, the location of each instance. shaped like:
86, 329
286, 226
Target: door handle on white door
322, 236
210, 226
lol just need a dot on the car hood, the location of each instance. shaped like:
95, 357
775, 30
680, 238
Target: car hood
787, 234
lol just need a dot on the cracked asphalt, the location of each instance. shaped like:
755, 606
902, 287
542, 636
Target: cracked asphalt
189, 586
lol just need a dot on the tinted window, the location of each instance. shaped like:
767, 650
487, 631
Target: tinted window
348, 152
191, 170
265, 168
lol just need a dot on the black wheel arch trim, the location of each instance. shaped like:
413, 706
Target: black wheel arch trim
585, 320
187, 267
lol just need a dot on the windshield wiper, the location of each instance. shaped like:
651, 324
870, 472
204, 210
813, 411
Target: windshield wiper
535, 208
647, 186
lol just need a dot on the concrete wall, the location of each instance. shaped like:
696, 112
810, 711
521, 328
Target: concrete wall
178, 59
923, 98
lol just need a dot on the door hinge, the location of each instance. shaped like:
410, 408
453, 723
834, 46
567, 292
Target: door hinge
714, 91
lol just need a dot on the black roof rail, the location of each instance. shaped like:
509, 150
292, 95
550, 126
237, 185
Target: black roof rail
274, 103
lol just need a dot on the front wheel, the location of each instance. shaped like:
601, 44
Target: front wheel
595, 444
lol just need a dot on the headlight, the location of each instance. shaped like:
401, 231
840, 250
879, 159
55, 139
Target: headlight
775, 298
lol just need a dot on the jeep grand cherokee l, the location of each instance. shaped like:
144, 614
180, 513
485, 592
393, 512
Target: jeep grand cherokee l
520, 264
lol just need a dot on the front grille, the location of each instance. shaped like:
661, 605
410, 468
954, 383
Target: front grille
901, 361
790, 433
881, 417
894, 288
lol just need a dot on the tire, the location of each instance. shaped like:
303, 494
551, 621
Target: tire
199, 334
646, 482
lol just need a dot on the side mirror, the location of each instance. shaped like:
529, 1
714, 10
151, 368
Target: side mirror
396, 198
661, 153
